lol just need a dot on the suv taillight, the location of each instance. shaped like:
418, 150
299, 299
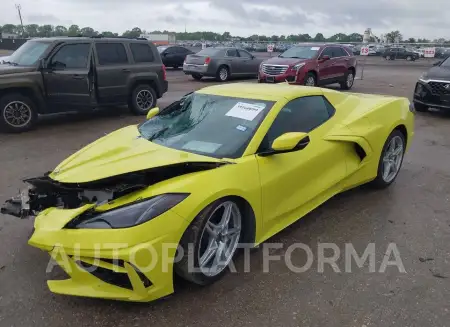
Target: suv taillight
207, 60
164, 72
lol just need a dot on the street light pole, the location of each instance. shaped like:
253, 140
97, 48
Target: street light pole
19, 7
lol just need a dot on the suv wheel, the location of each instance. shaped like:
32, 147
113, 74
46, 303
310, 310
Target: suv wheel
143, 98
17, 113
223, 74
310, 80
409, 58
348, 81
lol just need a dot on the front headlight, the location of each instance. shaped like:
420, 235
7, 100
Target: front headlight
298, 66
424, 76
128, 216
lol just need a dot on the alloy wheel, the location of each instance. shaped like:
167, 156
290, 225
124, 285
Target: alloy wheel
350, 80
219, 239
223, 74
310, 81
392, 159
17, 114
144, 100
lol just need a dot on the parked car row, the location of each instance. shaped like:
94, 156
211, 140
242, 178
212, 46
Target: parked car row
312, 65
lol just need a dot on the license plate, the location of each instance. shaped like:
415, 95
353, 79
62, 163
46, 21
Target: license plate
270, 79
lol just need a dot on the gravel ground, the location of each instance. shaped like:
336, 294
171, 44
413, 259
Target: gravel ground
413, 214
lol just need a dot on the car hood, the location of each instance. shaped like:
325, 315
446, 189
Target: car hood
284, 61
439, 73
6, 69
118, 153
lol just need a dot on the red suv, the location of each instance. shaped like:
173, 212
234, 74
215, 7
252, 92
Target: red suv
311, 65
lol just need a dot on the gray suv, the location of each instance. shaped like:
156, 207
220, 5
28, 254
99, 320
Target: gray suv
53, 75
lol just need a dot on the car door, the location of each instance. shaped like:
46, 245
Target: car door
326, 67
67, 77
341, 58
169, 57
181, 55
294, 183
401, 53
232, 59
113, 72
250, 63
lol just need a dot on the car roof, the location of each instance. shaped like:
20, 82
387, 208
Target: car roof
270, 92
85, 38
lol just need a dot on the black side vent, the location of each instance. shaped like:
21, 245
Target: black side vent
360, 152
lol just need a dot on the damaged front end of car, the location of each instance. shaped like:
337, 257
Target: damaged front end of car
44, 192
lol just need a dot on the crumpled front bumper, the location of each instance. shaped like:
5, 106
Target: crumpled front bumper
133, 264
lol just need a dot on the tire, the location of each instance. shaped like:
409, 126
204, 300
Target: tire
388, 57
409, 58
310, 80
196, 240
384, 180
420, 107
143, 98
223, 74
349, 80
197, 76
16, 103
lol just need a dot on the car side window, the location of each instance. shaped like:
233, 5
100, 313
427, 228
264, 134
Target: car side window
232, 53
299, 115
339, 52
327, 52
111, 53
142, 52
401, 50
244, 54
71, 56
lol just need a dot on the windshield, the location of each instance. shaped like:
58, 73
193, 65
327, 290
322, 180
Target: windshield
161, 49
300, 52
216, 126
446, 62
28, 54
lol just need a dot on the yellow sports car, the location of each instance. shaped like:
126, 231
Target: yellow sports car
224, 166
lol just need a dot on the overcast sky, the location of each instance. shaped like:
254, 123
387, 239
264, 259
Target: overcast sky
414, 18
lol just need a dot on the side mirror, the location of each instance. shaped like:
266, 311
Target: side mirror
152, 113
288, 142
437, 63
325, 58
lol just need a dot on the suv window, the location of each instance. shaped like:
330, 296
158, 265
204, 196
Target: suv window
244, 54
339, 52
232, 53
299, 115
401, 50
71, 56
327, 52
142, 52
111, 53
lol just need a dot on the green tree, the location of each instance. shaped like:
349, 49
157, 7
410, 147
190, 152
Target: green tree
45, 30
319, 38
31, 30
73, 30
109, 34
10, 28
226, 36
355, 37
134, 33
60, 30
88, 31
394, 37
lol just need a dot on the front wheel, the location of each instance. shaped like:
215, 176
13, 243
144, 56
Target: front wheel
391, 160
223, 74
18, 113
210, 243
310, 80
143, 98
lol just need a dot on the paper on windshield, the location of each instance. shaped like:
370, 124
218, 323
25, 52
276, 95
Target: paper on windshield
247, 111
200, 146
315, 48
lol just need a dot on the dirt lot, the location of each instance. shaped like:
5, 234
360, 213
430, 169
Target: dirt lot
413, 214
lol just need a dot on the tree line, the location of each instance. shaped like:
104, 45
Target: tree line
34, 30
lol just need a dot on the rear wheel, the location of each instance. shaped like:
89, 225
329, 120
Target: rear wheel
409, 58
310, 80
210, 242
391, 160
18, 113
388, 57
197, 76
143, 98
348, 81
223, 74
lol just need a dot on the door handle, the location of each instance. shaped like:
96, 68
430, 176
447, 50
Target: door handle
126, 70
78, 76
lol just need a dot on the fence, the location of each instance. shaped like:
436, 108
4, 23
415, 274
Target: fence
11, 44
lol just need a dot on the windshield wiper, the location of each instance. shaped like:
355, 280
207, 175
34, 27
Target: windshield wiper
157, 134
11, 63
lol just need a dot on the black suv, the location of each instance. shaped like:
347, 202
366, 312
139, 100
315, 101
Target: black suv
433, 87
400, 53
53, 75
